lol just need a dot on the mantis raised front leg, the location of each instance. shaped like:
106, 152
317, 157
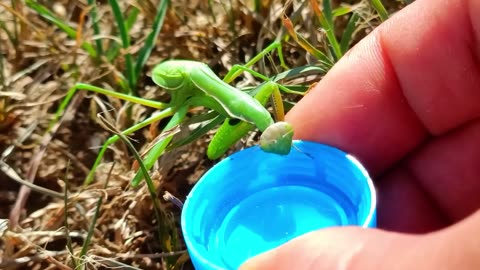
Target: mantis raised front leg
233, 130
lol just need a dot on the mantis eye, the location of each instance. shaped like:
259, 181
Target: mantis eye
168, 75
277, 138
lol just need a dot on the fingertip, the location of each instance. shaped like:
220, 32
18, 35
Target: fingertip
262, 261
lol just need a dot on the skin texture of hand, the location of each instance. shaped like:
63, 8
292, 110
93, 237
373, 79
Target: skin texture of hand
406, 102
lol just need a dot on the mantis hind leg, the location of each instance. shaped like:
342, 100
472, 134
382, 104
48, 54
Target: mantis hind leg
87, 87
154, 118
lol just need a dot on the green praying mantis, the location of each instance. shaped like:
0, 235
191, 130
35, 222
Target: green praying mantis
192, 83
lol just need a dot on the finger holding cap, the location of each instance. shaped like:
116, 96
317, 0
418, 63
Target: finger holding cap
415, 76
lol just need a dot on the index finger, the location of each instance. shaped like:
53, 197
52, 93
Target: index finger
415, 76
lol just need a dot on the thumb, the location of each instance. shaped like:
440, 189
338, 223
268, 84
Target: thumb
342, 248
345, 248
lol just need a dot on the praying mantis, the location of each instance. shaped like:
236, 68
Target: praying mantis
192, 83
195, 83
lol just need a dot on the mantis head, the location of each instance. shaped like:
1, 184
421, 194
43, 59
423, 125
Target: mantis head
277, 138
170, 75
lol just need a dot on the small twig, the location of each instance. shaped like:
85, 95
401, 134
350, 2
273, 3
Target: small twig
65, 213
111, 263
58, 264
7, 263
9, 150
49, 234
12, 174
151, 256
167, 196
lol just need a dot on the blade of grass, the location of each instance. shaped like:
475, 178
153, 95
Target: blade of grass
114, 49
302, 71
378, 6
144, 53
340, 11
327, 11
96, 28
122, 28
231, 18
132, 18
65, 217
159, 148
160, 215
348, 32
14, 39
72, 33
91, 228
323, 58
11, 37
2, 69
326, 21
210, 10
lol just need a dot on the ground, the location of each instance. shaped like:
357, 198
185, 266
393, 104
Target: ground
40, 62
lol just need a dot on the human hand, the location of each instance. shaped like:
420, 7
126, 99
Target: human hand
406, 102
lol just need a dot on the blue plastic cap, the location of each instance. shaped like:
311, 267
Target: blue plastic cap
254, 201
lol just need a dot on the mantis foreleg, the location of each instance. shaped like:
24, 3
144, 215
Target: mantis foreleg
231, 131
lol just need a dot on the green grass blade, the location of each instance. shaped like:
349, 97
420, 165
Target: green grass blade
91, 228
340, 11
322, 57
382, 12
144, 53
325, 18
297, 72
48, 15
327, 10
210, 10
15, 26
257, 6
122, 28
159, 213
348, 32
114, 49
96, 28
159, 149
132, 18
10, 36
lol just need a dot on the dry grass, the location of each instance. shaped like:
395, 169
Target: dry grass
39, 63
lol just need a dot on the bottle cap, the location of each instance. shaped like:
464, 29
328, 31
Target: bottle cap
254, 201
